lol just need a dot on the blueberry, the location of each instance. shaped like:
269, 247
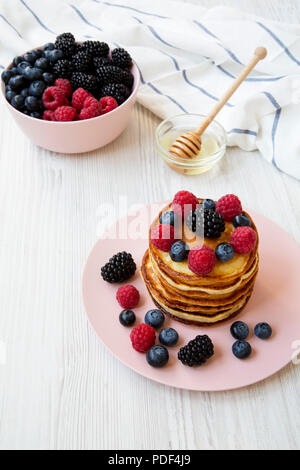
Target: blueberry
39, 53
14, 71
10, 94
6, 75
168, 337
154, 318
127, 317
37, 88
32, 103
21, 66
36, 114
263, 330
17, 60
241, 349
179, 251
157, 356
209, 204
55, 55
25, 92
224, 252
49, 46
239, 330
42, 63
17, 82
32, 73
26, 112
17, 102
47, 54
169, 218
30, 57
241, 220
48, 78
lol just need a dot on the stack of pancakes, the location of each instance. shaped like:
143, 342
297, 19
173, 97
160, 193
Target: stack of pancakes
195, 299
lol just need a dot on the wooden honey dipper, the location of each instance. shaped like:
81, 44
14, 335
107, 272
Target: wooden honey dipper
188, 145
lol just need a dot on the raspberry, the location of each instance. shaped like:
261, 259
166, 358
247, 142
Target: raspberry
243, 239
128, 296
64, 85
229, 206
78, 98
91, 108
183, 202
201, 260
49, 115
53, 97
163, 236
142, 337
64, 113
108, 103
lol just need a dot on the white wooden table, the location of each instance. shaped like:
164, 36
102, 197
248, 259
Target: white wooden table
60, 388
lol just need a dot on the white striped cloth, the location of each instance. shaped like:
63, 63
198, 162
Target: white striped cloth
188, 56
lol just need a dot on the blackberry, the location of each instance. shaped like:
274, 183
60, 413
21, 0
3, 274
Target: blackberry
83, 80
112, 74
63, 68
117, 90
81, 61
95, 48
121, 58
197, 351
119, 268
205, 222
66, 43
101, 61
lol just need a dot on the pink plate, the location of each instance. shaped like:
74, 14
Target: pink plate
275, 300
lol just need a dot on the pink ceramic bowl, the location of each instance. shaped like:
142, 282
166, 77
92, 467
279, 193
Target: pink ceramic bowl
77, 136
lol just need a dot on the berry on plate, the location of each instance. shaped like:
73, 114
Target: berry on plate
162, 236
209, 204
241, 349
128, 296
201, 260
179, 251
154, 318
239, 330
229, 206
127, 317
205, 222
224, 252
157, 356
168, 218
142, 337
108, 103
197, 351
119, 268
184, 202
263, 330
243, 239
241, 220
168, 337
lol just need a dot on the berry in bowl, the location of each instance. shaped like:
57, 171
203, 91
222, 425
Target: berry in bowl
71, 97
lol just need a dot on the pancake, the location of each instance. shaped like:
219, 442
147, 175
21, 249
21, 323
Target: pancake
195, 299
